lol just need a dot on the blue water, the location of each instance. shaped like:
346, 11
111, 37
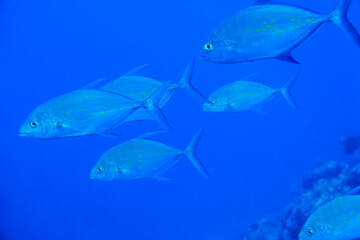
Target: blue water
48, 48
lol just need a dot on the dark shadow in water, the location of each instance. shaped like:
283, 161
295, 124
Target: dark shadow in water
350, 143
2, 236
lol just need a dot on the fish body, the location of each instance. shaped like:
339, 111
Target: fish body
138, 88
239, 96
81, 112
87, 112
134, 87
336, 220
139, 158
244, 96
143, 158
269, 31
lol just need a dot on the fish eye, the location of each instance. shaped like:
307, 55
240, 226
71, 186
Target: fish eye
99, 169
208, 47
310, 232
34, 124
211, 102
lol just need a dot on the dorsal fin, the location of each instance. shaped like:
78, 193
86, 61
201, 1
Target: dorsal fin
149, 134
249, 76
354, 191
94, 85
258, 2
100, 82
133, 71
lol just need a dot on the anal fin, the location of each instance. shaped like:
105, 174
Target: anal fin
161, 178
288, 58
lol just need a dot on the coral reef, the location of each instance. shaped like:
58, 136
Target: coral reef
350, 143
321, 186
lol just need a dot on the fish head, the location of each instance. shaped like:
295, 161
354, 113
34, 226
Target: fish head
219, 50
313, 230
103, 172
214, 106
39, 124
107, 172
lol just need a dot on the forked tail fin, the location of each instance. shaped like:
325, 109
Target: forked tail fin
185, 81
190, 152
152, 105
339, 17
285, 91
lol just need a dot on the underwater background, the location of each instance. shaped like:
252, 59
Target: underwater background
256, 161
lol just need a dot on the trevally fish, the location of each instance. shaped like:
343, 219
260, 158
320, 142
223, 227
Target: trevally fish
140, 87
337, 220
143, 158
270, 30
86, 112
246, 95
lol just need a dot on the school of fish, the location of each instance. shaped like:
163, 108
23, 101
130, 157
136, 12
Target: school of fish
261, 31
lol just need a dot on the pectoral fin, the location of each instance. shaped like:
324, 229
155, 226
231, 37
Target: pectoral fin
94, 85
161, 178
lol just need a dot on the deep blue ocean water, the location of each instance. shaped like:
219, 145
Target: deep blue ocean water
256, 161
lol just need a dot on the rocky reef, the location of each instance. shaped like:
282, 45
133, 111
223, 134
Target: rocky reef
320, 186
350, 143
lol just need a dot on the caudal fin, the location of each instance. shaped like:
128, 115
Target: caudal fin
152, 105
185, 81
285, 91
191, 154
339, 17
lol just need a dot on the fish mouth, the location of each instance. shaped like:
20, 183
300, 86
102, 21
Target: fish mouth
24, 134
93, 176
203, 55
208, 107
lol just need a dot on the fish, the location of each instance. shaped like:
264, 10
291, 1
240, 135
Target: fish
338, 219
87, 112
246, 96
270, 30
140, 87
142, 158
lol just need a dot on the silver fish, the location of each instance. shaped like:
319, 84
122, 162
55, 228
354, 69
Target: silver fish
143, 158
270, 30
246, 95
336, 220
140, 87
87, 112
